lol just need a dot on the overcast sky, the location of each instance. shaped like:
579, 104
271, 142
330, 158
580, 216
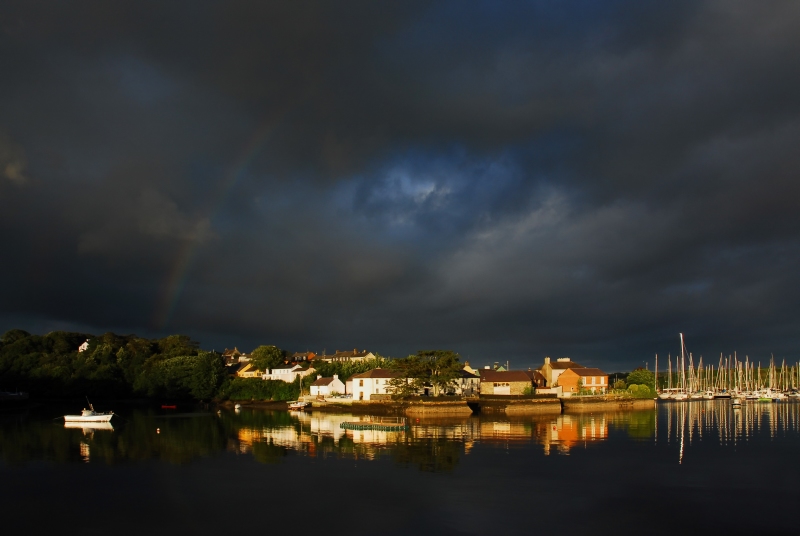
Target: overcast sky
507, 180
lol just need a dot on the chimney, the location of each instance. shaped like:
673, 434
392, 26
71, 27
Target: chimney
319, 376
335, 376
487, 367
546, 360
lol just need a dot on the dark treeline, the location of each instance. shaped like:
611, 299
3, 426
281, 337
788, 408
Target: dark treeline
112, 366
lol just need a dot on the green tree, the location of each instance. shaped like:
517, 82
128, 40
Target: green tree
642, 376
177, 345
13, 335
413, 375
641, 391
267, 357
437, 368
207, 376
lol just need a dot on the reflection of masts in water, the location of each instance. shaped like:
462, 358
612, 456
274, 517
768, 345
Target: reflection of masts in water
730, 425
682, 433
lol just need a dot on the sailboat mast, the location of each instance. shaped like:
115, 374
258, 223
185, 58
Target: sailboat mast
656, 382
683, 362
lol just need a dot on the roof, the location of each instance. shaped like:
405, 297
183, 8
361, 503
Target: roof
534, 374
563, 365
377, 373
467, 374
353, 353
288, 367
589, 372
321, 382
488, 375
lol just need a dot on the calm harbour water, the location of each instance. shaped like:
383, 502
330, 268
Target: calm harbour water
691, 468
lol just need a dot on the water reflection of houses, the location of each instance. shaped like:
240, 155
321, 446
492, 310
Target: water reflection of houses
321, 433
560, 432
565, 431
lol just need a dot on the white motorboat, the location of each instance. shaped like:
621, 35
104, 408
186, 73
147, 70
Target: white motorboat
89, 427
89, 415
298, 405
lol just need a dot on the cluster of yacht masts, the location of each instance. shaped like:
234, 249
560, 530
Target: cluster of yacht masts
732, 378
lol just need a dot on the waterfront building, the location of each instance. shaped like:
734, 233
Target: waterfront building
552, 370
509, 382
590, 379
327, 386
373, 382
537, 378
468, 383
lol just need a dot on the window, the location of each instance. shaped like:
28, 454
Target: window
361, 383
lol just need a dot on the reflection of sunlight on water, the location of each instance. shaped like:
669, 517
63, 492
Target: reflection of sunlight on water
85, 452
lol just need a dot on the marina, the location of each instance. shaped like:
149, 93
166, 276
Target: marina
743, 380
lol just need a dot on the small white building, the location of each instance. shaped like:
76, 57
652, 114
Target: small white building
287, 374
327, 386
83, 347
372, 382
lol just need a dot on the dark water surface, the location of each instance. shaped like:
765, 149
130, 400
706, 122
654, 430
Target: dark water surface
689, 468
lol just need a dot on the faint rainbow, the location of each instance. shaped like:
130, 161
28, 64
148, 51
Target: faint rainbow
185, 259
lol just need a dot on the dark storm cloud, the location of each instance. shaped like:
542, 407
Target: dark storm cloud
507, 179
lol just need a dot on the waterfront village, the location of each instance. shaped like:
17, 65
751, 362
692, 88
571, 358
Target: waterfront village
559, 377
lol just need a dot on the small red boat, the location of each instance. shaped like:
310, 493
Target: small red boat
166, 406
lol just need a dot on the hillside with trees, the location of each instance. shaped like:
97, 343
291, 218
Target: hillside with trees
112, 365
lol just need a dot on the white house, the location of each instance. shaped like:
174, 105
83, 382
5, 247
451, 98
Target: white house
287, 374
327, 386
372, 382
83, 347
341, 356
467, 384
